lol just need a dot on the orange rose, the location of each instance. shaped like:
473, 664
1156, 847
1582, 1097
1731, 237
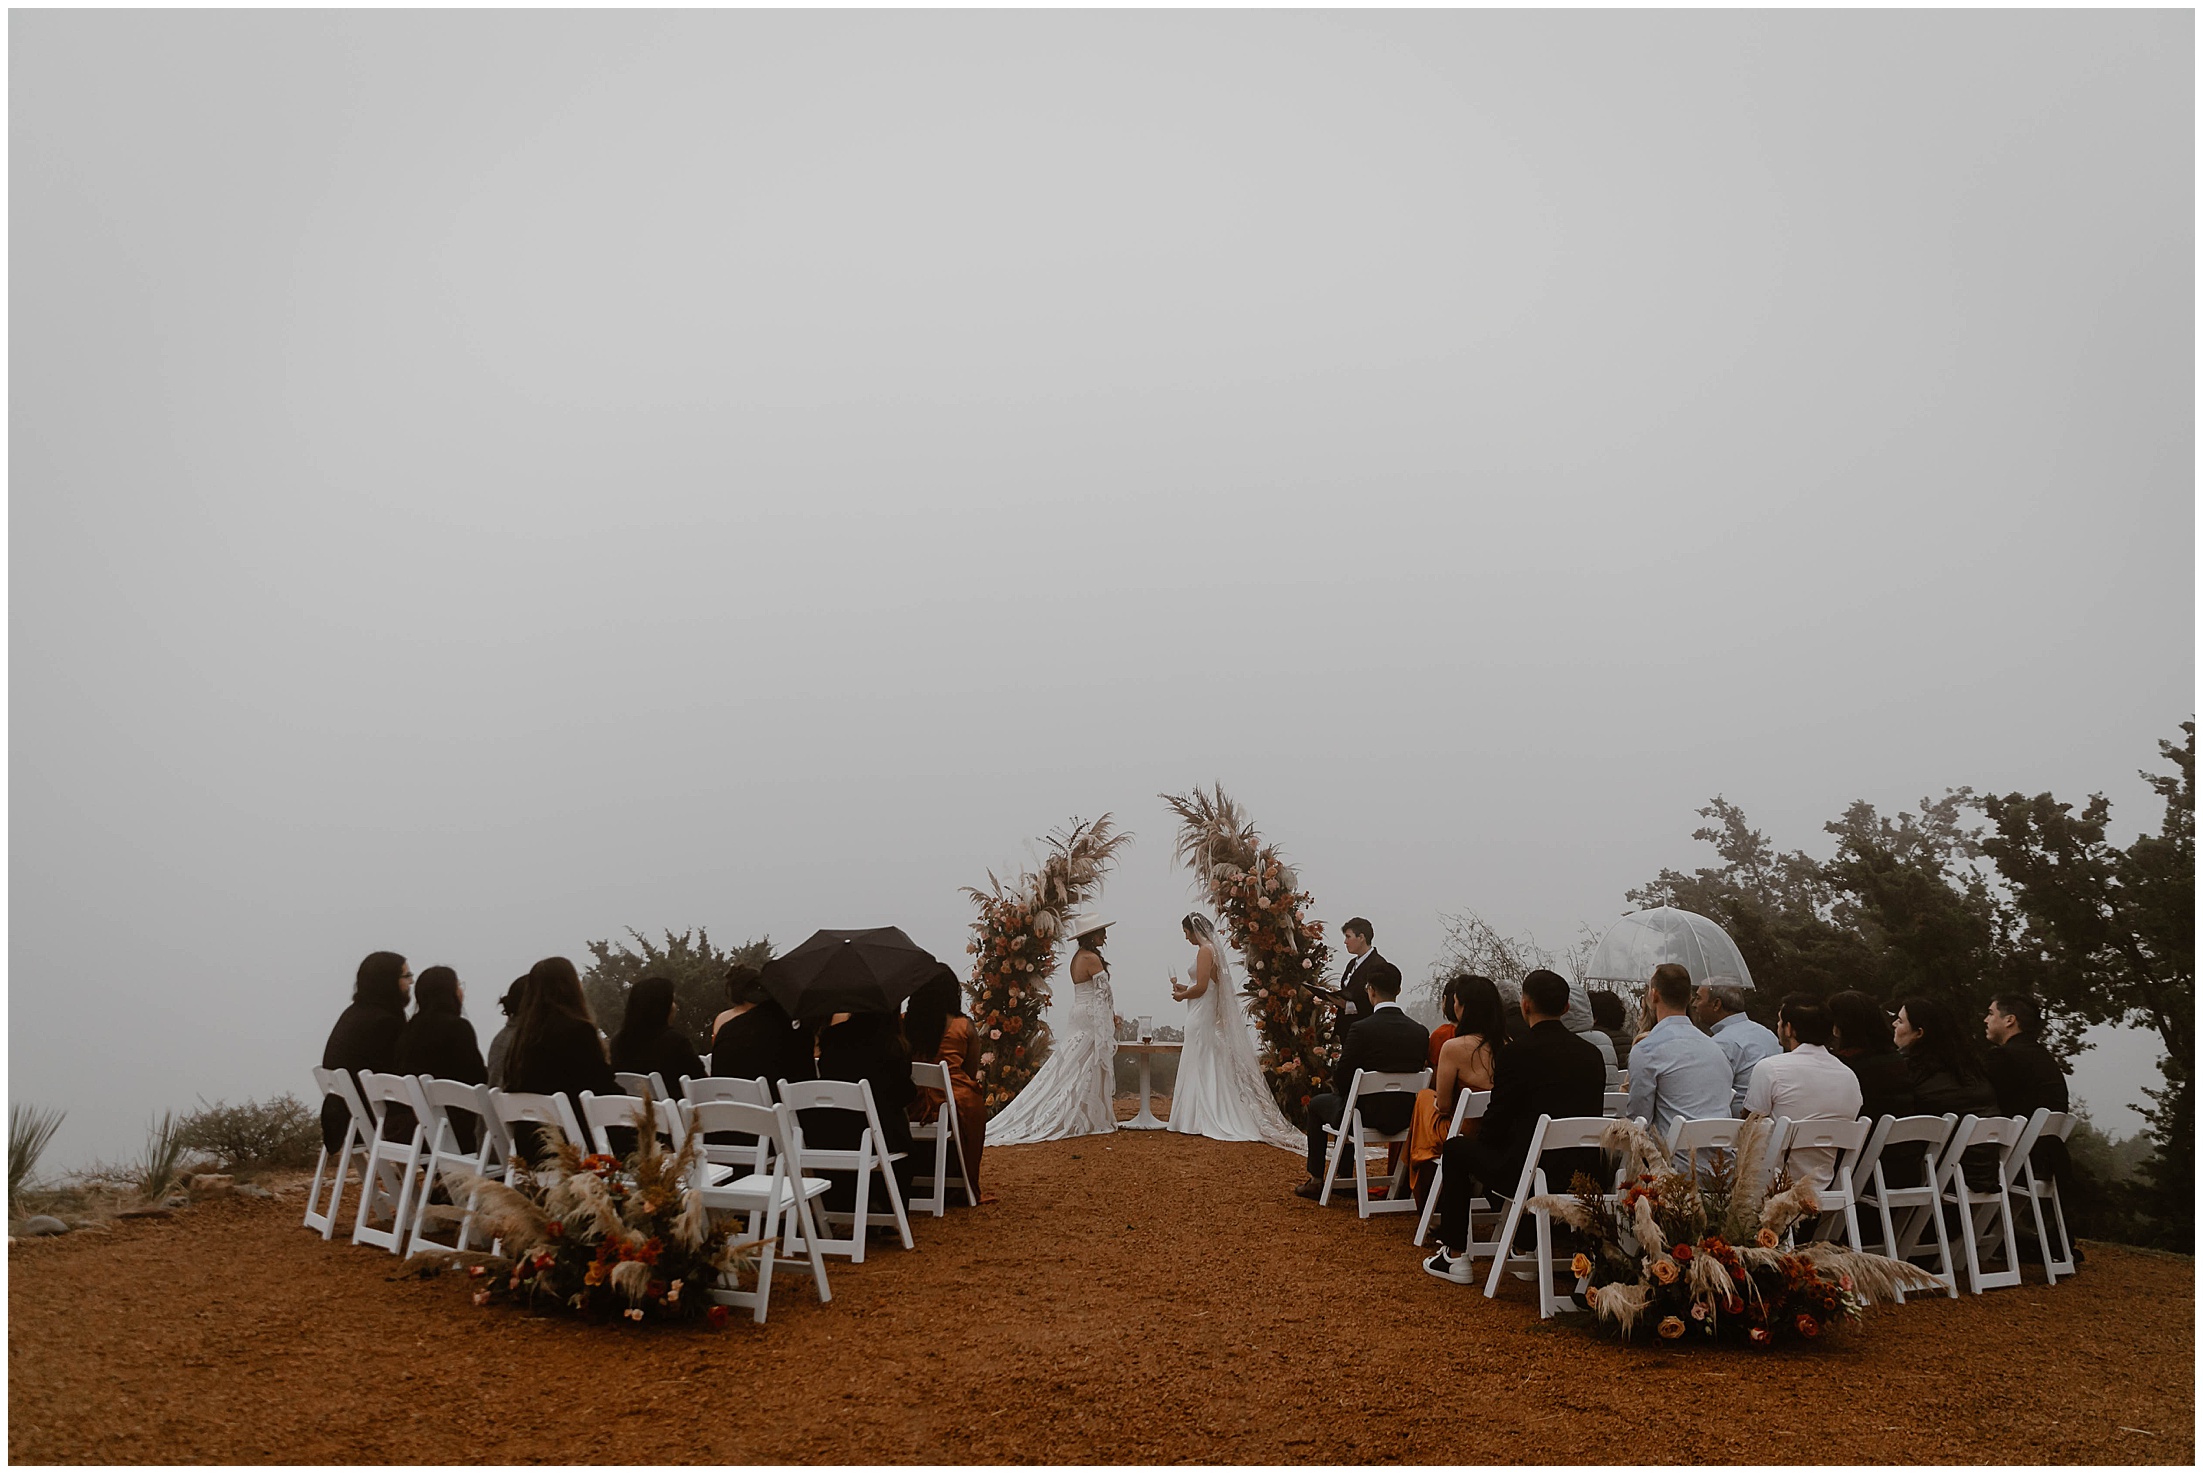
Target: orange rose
1671, 1328
1767, 1239
1581, 1264
1665, 1272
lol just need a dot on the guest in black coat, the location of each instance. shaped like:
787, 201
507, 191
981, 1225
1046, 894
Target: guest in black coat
1552, 1072
2026, 1077
869, 1047
439, 1042
760, 1042
556, 1049
1864, 1043
1387, 1042
651, 1039
366, 1035
1947, 1077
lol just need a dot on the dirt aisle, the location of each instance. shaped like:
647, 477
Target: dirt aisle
1146, 1298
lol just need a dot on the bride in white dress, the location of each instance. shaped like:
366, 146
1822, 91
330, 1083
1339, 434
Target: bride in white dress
1075, 1092
1220, 1091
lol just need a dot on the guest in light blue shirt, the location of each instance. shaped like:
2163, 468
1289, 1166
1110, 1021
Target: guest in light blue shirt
1719, 1008
1674, 1070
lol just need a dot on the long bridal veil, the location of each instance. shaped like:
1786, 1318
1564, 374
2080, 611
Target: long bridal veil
1221, 1091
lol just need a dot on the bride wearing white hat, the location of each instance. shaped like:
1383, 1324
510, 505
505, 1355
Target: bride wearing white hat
1074, 1093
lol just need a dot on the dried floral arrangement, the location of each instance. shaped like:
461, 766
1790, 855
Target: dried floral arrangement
1706, 1256
613, 1239
1013, 946
1258, 898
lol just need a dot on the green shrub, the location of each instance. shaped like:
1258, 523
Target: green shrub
697, 970
30, 1130
277, 1133
162, 1160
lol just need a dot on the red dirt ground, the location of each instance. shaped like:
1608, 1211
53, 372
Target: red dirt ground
1147, 1298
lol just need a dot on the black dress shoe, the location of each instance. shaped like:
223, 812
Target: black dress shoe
1310, 1190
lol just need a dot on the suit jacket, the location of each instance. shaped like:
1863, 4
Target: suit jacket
1390, 1042
1355, 994
2027, 1078
1551, 1072
365, 1038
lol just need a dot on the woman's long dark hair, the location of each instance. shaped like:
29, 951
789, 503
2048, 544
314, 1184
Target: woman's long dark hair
1079, 944
649, 1010
376, 983
554, 994
436, 991
1483, 1011
1860, 1022
926, 1017
1945, 1045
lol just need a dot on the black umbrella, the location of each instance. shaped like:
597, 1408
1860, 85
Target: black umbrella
870, 971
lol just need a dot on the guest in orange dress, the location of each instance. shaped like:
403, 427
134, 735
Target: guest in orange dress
935, 1024
1478, 1020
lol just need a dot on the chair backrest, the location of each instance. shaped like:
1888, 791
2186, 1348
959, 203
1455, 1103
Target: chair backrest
933, 1075
832, 1095
339, 1084
600, 1113
1367, 1083
706, 1058
439, 1098
763, 1123
1469, 1105
635, 1084
381, 1092
1567, 1133
2001, 1133
1617, 1101
1929, 1133
517, 1107
719, 1087
2059, 1124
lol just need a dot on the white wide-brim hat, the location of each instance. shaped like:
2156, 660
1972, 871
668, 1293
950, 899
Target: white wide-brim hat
1085, 926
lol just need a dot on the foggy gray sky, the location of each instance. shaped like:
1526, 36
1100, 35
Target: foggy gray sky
480, 481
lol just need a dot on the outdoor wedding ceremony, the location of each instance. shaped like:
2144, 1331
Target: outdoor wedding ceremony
1102, 737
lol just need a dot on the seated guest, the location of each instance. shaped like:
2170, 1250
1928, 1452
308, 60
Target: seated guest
556, 1049
1947, 1076
1719, 1009
1448, 1011
1805, 1083
502, 1040
1612, 1020
1478, 1018
1552, 1072
366, 1037
1675, 1071
868, 1047
2026, 1076
439, 1042
759, 1041
1861, 1039
938, 1031
1387, 1042
651, 1041
741, 993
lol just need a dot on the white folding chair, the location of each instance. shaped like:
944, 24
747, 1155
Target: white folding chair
1617, 1101
2045, 1125
1839, 1196
948, 1143
1352, 1133
601, 1113
1916, 1202
387, 1179
1692, 1139
706, 1059
1566, 1134
869, 1156
521, 1108
652, 1084
358, 1124
1984, 1214
737, 1158
438, 1099
762, 1197
1468, 1105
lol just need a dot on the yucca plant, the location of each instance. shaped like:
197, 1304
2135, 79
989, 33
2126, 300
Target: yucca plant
30, 1131
164, 1155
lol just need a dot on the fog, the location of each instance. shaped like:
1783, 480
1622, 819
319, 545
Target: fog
483, 481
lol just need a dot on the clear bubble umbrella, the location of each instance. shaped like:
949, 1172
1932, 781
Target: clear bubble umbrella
1642, 940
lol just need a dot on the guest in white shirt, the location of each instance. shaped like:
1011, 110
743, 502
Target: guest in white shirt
1806, 1083
1674, 1070
1719, 1009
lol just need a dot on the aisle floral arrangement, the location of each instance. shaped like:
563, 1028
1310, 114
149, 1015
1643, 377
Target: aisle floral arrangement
1259, 900
1705, 1256
613, 1240
1013, 946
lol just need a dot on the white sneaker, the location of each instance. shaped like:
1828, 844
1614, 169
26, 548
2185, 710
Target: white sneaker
1446, 1266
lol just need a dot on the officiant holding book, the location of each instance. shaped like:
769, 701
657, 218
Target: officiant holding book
1364, 963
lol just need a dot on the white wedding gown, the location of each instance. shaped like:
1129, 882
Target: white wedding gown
1074, 1094
1220, 1091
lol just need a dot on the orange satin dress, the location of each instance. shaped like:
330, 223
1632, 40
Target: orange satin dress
971, 1110
1427, 1132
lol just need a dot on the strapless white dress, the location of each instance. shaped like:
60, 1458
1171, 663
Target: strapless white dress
1221, 1092
1074, 1094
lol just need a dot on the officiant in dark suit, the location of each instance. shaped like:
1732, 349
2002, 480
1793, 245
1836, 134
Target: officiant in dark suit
1364, 964
1386, 1042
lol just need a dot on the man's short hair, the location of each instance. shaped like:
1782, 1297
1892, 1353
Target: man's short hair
1360, 927
1671, 984
1547, 992
1808, 1018
1728, 992
1384, 982
2024, 1009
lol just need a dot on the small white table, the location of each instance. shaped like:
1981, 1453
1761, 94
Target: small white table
1146, 1120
